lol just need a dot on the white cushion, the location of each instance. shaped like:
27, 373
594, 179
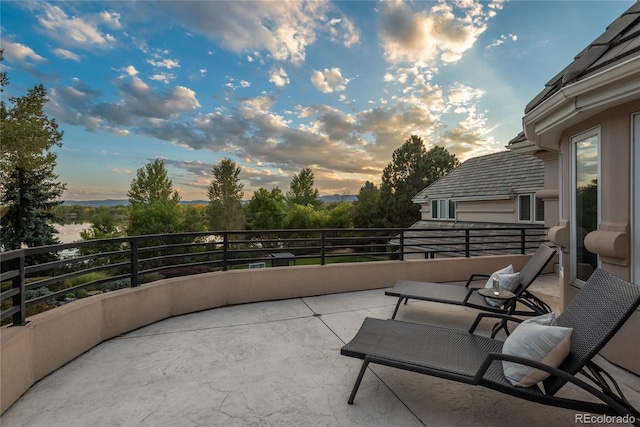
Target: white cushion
534, 339
506, 281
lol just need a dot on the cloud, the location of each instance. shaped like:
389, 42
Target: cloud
427, 37
164, 63
20, 52
81, 32
66, 54
278, 76
283, 29
471, 137
130, 70
502, 39
460, 95
123, 171
350, 35
163, 77
139, 106
329, 80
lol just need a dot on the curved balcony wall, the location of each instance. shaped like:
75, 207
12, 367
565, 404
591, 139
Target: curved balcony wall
51, 339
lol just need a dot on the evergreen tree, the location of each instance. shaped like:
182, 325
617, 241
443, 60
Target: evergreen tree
29, 187
225, 197
411, 170
302, 191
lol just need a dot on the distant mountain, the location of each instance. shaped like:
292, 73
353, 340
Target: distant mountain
125, 202
116, 202
338, 198
96, 203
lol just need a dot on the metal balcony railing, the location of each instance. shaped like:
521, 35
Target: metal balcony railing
40, 278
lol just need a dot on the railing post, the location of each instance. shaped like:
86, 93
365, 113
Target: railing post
225, 250
133, 246
467, 243
523, 241
322, 248
20, 299
402, 245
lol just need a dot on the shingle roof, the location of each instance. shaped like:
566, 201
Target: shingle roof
498, 174
620, 41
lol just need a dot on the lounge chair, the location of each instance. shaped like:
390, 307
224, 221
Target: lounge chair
595, 314
468, 296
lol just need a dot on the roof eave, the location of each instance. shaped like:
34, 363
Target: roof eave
580, 100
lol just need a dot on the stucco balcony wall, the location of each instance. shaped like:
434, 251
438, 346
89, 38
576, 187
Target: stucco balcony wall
51, 339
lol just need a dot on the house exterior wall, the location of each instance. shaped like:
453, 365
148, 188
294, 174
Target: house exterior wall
611, 241
550, 193
498, 211
504, 211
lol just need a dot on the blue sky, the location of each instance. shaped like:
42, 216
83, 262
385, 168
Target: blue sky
281, 85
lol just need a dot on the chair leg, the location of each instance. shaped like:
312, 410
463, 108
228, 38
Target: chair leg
397, 307
356, 386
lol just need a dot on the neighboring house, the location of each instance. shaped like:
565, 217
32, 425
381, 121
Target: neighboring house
496, 188
493, 191
585, 126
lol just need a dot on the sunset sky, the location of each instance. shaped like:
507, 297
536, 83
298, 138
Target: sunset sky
281, 85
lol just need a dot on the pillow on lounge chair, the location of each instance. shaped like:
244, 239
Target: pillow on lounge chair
508, 280
535, 339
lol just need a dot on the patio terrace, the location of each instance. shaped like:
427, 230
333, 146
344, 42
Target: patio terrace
275, 363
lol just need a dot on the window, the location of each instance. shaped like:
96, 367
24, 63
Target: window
524, 207
443, 209
585, 201
452, 209
529, 211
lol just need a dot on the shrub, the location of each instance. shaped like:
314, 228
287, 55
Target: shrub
116, 284
36, 293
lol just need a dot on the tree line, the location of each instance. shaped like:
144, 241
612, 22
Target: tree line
30, 190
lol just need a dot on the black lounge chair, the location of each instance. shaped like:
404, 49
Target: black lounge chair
595, 314
468, 296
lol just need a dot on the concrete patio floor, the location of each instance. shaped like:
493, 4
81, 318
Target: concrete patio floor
275, 363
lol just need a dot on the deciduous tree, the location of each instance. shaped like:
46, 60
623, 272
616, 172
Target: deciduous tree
366, 208
266, 210
225, 197
153, 203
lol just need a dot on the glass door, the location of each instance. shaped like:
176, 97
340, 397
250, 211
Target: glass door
585, 203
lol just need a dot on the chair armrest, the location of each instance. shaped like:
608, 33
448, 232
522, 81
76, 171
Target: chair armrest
619, 405
480, 316
469, 292
476, 275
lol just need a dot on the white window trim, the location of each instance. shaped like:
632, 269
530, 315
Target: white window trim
532, 209
572, 197
437, 214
